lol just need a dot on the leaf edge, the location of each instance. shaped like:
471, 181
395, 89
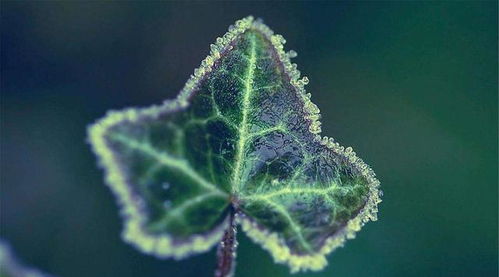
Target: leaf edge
161, 245
134, 234
270, 240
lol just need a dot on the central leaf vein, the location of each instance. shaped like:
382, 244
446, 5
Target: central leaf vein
243, 130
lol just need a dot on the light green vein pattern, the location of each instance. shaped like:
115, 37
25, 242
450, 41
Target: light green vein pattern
166, 160
248, 89
242, 133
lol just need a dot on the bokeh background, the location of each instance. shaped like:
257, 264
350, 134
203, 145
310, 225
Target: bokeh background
412, 86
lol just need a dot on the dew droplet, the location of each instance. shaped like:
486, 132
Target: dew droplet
292, 54
165, 185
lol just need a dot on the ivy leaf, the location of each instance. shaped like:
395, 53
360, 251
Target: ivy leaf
11, 266
242, 137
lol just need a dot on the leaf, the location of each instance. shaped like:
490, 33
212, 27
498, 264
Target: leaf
242, 135
11, 266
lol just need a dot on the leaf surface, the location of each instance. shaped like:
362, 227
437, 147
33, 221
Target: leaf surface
242, 135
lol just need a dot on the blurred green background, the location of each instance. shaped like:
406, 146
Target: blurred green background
412, 86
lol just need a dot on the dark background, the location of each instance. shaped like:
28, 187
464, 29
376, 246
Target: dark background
412, 86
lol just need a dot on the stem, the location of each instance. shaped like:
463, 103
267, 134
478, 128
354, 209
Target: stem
226, 252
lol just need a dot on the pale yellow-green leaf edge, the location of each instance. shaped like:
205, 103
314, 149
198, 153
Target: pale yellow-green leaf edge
270, 240
133, 230
161, 245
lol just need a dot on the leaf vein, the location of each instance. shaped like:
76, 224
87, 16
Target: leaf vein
243, 130
294, 226
177, 212
168, 161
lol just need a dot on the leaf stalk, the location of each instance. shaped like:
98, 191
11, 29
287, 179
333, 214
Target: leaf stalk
226, 252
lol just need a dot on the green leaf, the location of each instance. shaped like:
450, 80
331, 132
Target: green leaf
11, 266
242, 135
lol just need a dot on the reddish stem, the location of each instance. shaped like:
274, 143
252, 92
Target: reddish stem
226, 252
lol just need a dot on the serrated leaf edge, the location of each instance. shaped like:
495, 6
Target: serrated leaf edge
131, 207
161, 245
133, 232
270, 240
